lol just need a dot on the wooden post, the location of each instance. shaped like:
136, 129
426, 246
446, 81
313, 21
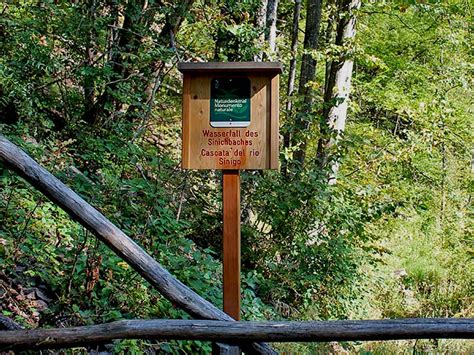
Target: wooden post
230, 132
231, 242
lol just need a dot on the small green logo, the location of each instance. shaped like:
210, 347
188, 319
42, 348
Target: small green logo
230, 102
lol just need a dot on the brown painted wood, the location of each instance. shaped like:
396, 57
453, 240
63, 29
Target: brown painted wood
246, 67
274, 107
186, 133
261, 148
239, 332
82, 212
231, 242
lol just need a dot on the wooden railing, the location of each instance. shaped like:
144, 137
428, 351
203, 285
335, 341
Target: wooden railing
218, 326
238, 333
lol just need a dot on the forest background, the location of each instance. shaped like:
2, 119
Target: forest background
368, 218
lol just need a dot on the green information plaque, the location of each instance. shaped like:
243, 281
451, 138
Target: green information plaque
230, 102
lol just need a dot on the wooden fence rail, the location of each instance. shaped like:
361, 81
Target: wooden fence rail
221, 327
82, 212
238, 332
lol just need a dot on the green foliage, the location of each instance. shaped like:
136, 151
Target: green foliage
410, 144
55, 251
94, 96
294, 239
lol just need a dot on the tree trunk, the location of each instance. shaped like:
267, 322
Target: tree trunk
270, 33
239, 332
294, 53
329, 40
260, 23
88, 83
291, 78
113, 237
126, 42
166, 39
137, 14
338, 86
307, 74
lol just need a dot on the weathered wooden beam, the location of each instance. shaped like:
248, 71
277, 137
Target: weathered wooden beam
236, 332
107, 232
8, 324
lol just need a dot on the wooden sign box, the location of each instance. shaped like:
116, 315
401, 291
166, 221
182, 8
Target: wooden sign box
230, 115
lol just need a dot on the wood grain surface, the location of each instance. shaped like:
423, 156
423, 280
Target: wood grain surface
207, 147
239, 332
231, 242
